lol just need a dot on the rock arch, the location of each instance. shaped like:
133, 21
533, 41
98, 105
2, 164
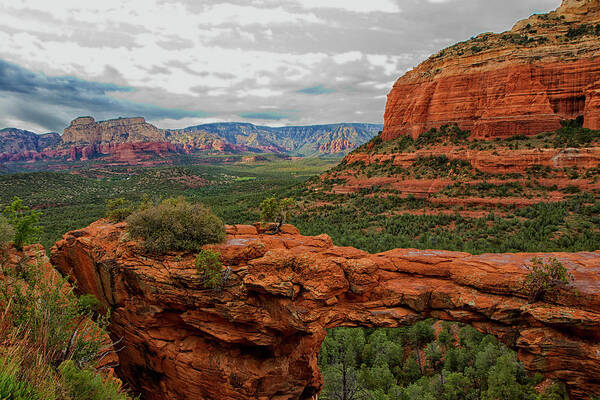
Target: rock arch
259, 337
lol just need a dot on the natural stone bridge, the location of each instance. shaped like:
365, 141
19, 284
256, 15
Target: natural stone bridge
259, 337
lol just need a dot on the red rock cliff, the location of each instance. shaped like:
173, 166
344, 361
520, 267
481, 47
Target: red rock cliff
259, 337
85, 130
524, 81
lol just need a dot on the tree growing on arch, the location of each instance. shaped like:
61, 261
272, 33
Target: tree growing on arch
278, 211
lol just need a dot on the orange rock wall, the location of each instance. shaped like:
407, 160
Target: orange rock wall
492, 161
258, 337
496, 102
523, 81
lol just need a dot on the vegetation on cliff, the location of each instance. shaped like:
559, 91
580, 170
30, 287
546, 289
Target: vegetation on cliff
175, 224
52, 343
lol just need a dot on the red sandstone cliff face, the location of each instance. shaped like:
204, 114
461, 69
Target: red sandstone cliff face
259, 337
492, 161
131, 153
85, 130
524, 81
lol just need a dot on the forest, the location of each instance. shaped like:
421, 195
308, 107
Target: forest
425, 361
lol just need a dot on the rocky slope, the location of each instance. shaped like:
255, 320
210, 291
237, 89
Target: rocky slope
16, 262
132, 140
297, 140
524, 81
450, 173
85, 130
14, 141
259, 336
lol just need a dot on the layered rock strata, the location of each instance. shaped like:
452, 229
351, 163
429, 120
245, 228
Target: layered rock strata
85, 130
524, 81
258, 337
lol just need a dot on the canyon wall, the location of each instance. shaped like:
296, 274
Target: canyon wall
259, 336
85, 130
132, 153
524, 81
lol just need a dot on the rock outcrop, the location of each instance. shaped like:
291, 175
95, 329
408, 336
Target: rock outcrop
258, 337
85, 130
127, 139
130, 153
524, 81
492, 161
13, 141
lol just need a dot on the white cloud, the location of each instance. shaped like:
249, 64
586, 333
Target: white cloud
359, 6
235, 57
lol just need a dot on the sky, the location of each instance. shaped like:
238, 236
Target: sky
186, 62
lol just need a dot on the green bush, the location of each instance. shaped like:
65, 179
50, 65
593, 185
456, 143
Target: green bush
54, 345
24, 221
7, 233
11, 387
118, 210
209, 265
175, 224
545, 277
273, 210
52, 315
83, 384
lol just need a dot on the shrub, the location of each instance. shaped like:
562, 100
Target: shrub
118, 210
545, 277
24, 221
7, 233
272, 210
209, 265
83, 384
54, 346
175, 224
51, 313
11, 387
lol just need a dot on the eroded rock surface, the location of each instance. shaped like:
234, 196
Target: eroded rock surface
524, 81
258, 338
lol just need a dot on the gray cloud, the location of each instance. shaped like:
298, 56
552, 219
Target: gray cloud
182, 61
50, 102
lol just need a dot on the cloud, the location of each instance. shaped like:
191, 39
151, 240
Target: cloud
264, 115
315, 90
186, 60
358, 6
50, 102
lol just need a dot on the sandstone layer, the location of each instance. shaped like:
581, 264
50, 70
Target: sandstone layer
258, 337
130, 153
524, 81
85, 130
127, 139
492, 161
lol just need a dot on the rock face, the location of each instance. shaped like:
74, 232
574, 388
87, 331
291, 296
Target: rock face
492, 161
524, 81
85, 130
130, 153
13, 141
258, 338
127, 139
297, 140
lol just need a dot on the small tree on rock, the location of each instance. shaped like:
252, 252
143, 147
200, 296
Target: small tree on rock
546, 276
278, 211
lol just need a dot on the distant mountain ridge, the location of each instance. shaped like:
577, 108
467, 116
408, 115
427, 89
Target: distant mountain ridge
86, 138
299, 140
13, 140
